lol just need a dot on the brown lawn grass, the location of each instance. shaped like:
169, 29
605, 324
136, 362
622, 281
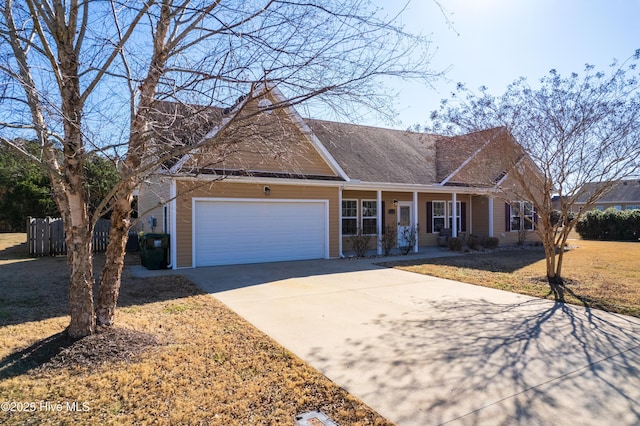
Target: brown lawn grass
598, 274
208, 365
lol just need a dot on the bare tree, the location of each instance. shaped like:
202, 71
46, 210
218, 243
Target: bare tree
85, 77
576, 129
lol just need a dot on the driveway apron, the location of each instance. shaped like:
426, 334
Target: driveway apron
424, 351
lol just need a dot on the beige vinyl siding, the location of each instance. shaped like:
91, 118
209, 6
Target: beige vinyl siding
266, 143
507, 237
424, 238
480, 217
152, 196
499, 222
430, 238
226, 189
388, 218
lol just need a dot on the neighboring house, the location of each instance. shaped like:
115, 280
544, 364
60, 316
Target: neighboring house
623, 195
278, 187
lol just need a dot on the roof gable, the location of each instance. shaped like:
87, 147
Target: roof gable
259, 141
495, 152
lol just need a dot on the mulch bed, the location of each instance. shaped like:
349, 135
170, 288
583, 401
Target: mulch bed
106, 345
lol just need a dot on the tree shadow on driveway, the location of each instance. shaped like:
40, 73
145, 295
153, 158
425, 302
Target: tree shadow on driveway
481, 362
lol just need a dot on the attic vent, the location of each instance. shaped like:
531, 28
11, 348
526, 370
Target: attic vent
231, 108
499, 177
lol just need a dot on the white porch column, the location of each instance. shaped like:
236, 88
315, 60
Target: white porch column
470, 218
414, 220
490, 216
454, 215
379, 220
340, 223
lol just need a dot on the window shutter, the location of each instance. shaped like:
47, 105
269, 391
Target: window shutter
429, 217
535, 217
383, 216
507, 217
463, 217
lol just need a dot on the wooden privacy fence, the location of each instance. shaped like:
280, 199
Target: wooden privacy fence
45, 237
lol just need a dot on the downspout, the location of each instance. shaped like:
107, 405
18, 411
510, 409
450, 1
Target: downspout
415, 219
379, 220
490, 216
454, 215
340, 189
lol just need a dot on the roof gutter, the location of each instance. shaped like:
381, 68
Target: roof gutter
405, 187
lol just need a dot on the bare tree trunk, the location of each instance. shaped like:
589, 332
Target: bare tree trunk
563, 243
80, 259
110, 278
551, 262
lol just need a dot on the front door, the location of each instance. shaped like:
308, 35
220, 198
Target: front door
405, 227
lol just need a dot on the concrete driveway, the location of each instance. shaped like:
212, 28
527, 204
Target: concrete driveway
425, 351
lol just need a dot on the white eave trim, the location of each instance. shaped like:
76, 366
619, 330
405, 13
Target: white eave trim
350, 185
261, 180
400, 187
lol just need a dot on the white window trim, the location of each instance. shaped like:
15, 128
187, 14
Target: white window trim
342, 217
363, 217
525, 224
434, 217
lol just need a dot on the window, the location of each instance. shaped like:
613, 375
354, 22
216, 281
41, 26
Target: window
632, 207
618, 207
438, 216
369, 217
458, 215
349, 217
600, 208
522, 216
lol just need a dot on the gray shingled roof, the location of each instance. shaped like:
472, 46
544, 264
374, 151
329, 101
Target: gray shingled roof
365, 153
625, 191
372, 154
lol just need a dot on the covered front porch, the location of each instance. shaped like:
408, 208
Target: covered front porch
419, 218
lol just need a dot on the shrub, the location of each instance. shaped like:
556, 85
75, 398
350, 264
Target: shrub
389, 239
556, 216
454, 244
522, 236
408, 235
360, 243
610, 225
491, 242
474, 242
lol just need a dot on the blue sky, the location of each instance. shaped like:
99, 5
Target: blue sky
493, 42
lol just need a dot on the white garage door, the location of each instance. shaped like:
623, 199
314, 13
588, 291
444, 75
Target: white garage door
252, 231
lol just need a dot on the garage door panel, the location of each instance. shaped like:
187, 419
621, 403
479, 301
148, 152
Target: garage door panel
232, 232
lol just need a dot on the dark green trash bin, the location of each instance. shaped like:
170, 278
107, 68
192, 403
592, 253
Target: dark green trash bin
153, 250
